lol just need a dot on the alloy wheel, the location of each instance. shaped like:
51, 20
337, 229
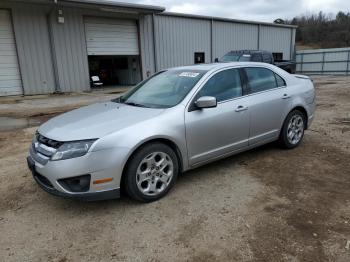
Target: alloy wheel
295, 129
154, 173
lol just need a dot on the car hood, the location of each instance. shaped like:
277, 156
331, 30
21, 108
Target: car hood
95, 121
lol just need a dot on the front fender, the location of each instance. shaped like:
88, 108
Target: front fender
168, 127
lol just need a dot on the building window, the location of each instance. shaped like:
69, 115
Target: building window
199, 57
277, 56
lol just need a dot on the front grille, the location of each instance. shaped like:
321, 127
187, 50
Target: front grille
38, 157
48, 142
43, 148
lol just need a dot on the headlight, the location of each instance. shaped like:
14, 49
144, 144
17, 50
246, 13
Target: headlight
72, 149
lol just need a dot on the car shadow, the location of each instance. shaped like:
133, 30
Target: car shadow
205, 172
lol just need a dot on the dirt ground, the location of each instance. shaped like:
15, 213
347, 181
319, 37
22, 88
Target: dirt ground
267, 204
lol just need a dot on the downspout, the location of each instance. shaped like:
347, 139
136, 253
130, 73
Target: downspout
154, 44
211, 41
53, 50
259, 29
291, 56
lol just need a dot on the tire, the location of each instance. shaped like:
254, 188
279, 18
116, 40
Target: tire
293, 124
151, 172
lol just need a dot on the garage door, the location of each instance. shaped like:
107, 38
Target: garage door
106, 36
10, 79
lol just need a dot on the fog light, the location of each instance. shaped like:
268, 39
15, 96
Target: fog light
76, 184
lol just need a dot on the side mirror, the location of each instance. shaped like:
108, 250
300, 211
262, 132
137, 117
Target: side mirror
206, 102
216, 60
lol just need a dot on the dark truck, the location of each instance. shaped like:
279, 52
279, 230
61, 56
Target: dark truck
257, 56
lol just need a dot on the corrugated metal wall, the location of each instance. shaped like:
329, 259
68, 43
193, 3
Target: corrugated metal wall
229, 36
53, 56
177, 38
276, 39
146, 45
69, 49
323, 61
33, 47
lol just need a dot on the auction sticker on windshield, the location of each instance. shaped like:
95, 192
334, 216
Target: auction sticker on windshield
189, 74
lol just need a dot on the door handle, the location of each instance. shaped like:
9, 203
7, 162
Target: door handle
241, 108
285, 96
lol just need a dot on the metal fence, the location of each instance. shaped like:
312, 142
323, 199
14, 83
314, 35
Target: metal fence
323, 61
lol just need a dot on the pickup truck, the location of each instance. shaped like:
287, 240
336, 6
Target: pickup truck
257, 56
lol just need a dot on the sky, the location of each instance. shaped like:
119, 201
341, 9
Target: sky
258, 10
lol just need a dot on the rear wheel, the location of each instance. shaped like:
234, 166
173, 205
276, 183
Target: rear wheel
293, 130
151, 172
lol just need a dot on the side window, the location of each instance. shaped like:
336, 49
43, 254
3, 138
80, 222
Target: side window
280, 81
224, 85
267, 58
257, 58
260, 79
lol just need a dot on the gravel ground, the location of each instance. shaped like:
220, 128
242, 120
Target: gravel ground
267, 204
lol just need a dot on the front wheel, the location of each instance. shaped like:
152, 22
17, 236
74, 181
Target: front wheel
151, 172
293, 130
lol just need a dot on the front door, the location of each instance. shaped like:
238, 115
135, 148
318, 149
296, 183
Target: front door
214, 132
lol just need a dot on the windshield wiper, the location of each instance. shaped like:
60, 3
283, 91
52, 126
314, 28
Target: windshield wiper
134, 104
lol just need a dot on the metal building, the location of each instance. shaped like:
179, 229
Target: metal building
49, 46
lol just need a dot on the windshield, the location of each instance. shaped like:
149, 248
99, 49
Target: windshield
163, 90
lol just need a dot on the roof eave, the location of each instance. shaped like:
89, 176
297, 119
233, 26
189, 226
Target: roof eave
226, 19
120, 5
107, 4
111, 4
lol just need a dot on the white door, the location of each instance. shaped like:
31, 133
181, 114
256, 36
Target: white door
10, 78
106, 36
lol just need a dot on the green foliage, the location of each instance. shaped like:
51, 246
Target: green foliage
323, 30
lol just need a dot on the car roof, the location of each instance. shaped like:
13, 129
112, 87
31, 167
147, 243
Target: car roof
217, 66
248, 52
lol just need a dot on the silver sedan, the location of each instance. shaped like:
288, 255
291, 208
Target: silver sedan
177, 120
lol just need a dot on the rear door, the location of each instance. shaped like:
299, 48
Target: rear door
213, 132
269, 103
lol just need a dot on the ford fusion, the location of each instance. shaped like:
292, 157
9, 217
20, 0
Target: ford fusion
177, 120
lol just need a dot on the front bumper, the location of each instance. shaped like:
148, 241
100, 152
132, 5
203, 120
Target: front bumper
99, 165
95, 196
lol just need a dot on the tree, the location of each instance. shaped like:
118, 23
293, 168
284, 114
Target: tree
323, 30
